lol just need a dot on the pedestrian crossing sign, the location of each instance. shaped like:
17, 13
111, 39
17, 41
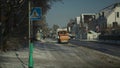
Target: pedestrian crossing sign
35, 13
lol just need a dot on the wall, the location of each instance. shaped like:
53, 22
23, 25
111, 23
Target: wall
113, 17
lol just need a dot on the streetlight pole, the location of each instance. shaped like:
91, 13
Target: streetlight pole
30, 64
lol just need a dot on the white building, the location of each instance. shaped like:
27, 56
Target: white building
86, 23
109, 16
77, 19
81, 25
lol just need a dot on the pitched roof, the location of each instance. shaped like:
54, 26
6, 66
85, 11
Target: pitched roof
109, 9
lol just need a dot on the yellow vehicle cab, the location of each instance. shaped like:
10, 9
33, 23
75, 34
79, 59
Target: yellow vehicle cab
63, 36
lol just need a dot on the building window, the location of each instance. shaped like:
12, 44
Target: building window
118, 14
103, 14
115, 24
99, 14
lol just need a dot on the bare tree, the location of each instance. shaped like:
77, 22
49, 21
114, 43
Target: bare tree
14, 15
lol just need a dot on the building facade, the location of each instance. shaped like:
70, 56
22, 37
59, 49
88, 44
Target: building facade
90, 25
109, 17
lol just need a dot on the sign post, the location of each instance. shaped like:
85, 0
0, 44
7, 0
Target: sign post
34, 14
30, 63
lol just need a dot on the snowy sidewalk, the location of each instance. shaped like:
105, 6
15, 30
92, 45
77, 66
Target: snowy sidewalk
14, 59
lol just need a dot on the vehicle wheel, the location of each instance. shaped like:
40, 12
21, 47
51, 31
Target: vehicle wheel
59, 41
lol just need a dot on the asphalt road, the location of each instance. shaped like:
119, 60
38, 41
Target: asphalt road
74, 56
112, 49
50, 54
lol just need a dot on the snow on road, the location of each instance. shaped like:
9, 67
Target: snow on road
54, 55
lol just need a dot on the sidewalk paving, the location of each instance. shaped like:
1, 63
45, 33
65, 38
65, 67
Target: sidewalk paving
14, 59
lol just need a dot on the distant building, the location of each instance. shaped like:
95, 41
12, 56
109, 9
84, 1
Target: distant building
109, 17
94, 23
86, 24
77, 19
77, 27
81, 25
87, 19
71, 27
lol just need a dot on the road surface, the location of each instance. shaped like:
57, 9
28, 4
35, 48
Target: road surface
50, 54
112, 49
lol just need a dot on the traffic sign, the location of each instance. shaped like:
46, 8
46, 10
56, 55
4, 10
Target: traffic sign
35, 13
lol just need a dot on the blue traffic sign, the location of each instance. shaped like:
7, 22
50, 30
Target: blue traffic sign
35, 13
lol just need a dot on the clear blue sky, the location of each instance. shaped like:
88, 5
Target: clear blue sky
61, 13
